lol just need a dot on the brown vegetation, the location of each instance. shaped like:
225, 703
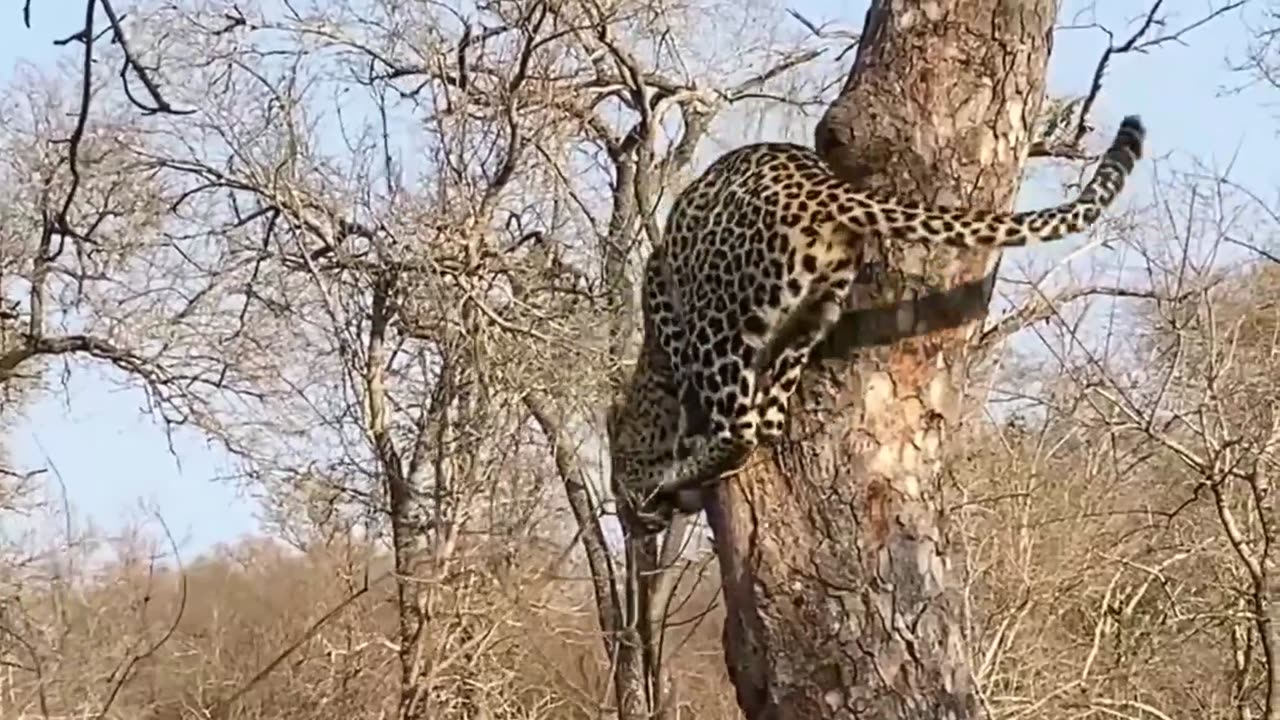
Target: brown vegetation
384, 255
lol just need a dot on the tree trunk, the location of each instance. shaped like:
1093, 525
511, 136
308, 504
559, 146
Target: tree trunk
831, 545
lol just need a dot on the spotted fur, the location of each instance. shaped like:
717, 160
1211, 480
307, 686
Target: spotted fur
760, 252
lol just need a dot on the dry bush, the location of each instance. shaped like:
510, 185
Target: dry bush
530, 639
1114, 509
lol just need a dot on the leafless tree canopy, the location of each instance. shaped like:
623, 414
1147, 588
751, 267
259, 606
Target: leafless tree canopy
384, 256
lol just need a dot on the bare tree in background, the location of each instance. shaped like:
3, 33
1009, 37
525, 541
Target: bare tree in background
1205, 402
1127, 493
377, 321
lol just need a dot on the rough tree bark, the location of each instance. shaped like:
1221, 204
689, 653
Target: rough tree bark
831, 546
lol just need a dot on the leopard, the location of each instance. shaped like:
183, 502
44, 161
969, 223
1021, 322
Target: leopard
756, 260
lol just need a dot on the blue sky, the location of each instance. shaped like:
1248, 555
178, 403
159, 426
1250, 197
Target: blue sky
111, 455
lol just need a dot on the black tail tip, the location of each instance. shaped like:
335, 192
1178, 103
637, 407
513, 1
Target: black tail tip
1131, 135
